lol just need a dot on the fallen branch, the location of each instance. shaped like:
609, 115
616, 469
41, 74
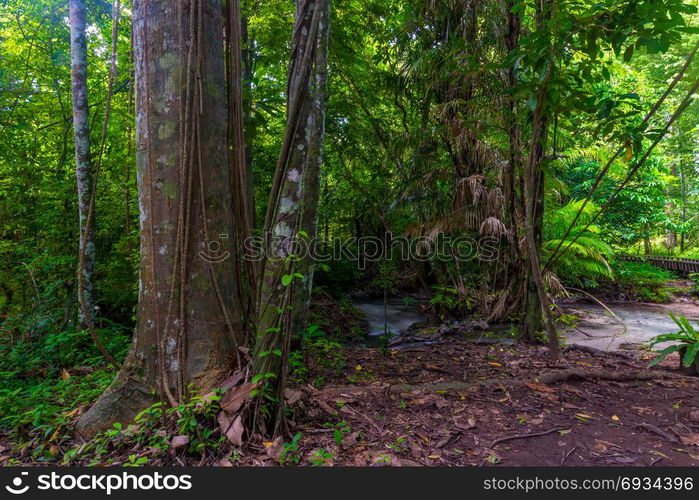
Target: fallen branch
524, 436
566, 455
581, 373
658, 431
595, 352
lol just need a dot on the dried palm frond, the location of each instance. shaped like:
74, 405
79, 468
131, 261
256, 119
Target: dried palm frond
435, 231
470, 220
495, 202
553, 283
492, 226
497, 313
470, 191
429, 229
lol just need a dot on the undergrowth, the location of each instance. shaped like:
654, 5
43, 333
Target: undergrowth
48, 375
638, 282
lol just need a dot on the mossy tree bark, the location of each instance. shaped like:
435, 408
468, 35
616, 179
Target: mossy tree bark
83, 165
312, 175
282, 222
188, 325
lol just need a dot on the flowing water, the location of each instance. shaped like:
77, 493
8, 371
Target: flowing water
397, 316
634, 323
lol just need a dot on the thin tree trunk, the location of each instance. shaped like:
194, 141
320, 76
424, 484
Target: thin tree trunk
538, 303
646, 239
513, 129
683, 197
241, 182
188, 326
248, 61
312, 175
83, 166
670, 235
283, 215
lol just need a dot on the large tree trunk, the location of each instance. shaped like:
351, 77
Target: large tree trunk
188, 317
83, 166
283, 214
534, 312
312, 175
538, 307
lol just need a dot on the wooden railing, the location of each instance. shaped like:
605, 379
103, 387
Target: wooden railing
666, 262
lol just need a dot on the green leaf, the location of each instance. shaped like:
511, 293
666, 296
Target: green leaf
665, 353
690, 355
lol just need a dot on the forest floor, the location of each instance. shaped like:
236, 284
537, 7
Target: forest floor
635, 416
461, 403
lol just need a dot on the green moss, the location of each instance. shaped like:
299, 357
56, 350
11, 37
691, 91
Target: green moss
168, 60
170, 190
166, 129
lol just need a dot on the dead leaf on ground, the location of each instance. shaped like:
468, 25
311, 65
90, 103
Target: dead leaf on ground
691, 440
275, 449
292, 396
327, 408
405, 462
180, 442
466, 424
539, 387
641, 410
232, 428
234, 397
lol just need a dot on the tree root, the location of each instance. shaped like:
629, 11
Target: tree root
546, 378
596, 352
658, 431
524, 436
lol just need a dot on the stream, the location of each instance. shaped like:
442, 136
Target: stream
398, 318
634, 323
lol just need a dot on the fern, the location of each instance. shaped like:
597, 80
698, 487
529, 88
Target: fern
582, 259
